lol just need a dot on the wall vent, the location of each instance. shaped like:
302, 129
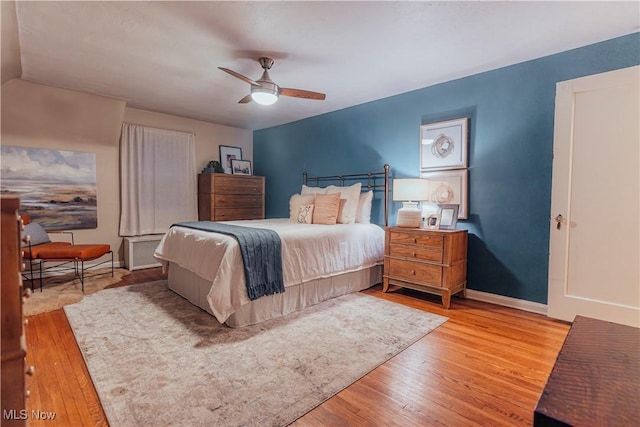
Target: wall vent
138, 251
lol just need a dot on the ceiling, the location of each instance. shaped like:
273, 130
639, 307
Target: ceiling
163, 56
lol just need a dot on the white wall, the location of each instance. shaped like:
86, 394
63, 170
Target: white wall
40, 116
209, 136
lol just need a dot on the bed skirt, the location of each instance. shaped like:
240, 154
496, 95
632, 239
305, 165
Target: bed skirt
195, 289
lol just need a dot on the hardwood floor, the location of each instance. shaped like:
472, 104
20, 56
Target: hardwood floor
487, 365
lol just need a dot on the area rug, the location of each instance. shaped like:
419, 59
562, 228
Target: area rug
157, 360
66, 289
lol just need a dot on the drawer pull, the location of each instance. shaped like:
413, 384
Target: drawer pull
30, 370
413, 272
415, 255
415, 240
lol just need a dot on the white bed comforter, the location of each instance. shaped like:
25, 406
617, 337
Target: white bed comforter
309, 252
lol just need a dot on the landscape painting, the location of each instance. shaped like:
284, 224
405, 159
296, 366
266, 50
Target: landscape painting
56, 188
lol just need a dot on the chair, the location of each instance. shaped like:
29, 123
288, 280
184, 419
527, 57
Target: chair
40, 249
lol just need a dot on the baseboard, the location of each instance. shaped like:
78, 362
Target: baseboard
534, 307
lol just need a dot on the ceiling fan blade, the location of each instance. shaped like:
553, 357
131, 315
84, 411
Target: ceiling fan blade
299, 93
245, 100
240, 76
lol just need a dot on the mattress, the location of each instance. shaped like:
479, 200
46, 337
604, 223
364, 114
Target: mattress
296, 297
310, 252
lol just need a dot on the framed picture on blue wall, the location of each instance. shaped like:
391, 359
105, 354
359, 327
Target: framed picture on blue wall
446, 187
443, 145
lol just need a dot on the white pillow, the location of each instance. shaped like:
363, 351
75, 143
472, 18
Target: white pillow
352, 195
305, 214
363, 213
313, 190
296, 201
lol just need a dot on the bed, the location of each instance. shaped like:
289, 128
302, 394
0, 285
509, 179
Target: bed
319, 261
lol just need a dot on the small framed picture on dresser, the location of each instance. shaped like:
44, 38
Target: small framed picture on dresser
241, 167
228, 154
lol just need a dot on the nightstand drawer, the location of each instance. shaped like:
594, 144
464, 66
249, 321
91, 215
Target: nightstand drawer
420, 239
424, 253
415, 271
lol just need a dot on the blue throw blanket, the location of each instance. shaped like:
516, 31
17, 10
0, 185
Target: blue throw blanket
261, 255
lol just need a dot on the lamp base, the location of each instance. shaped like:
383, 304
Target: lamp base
409, 216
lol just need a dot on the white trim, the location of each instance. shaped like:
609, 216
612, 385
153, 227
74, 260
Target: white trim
534, 307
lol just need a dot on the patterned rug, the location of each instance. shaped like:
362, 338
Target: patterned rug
155, 359
66, 289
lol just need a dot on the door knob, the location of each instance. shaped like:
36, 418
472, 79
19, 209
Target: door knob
559, 220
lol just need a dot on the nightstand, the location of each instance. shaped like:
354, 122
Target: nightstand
433, 261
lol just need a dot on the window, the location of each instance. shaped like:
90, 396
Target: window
158, 179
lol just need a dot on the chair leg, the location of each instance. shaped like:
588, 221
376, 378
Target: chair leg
31, 276
82, 274
40, 276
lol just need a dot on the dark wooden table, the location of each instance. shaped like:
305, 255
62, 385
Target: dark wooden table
596, 378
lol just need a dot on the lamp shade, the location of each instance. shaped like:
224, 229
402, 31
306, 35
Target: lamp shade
410, 189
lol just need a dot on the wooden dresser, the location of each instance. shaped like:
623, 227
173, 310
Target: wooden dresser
224, 197
433, 261
14, 348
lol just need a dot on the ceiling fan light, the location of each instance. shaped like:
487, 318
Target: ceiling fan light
264, 96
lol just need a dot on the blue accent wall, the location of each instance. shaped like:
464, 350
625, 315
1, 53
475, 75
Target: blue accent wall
511, 114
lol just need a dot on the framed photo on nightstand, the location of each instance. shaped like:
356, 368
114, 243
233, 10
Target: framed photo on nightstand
448, 216
432, 222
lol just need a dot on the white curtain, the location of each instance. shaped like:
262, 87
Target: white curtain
158, 179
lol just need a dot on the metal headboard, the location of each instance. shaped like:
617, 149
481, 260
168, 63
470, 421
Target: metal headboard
369, 177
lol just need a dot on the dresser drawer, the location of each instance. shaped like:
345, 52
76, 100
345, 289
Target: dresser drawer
237, 185
420, 239
423, 253
415, 271
237, 214
238, 201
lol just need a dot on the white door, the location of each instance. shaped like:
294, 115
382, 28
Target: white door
594, 260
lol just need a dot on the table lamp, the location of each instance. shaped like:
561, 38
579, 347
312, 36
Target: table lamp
410, 191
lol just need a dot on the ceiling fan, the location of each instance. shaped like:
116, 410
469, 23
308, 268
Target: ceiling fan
265, 92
